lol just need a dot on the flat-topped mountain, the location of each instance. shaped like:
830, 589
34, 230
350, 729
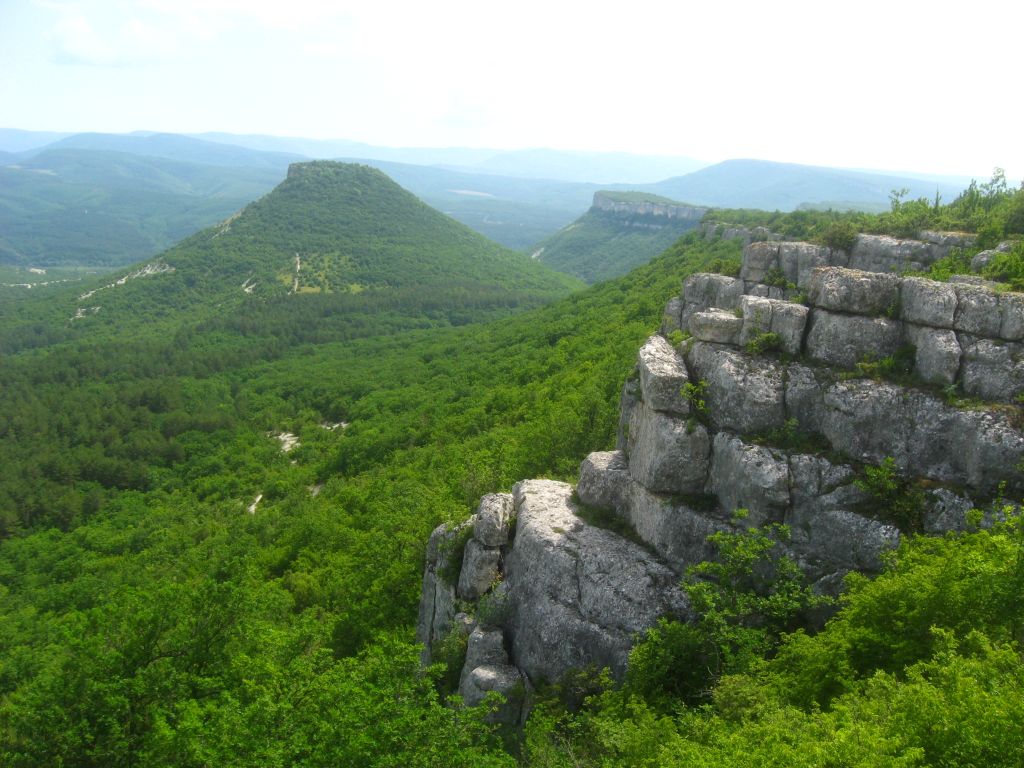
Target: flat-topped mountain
621, 231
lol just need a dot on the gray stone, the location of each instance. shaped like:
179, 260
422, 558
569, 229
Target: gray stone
759, 260
799, 260
480, 569
484, 646
867, 421
671, 318
676, 531
491, 523
976, 280
629, 400
946, 511
927, 302
936, 353
851, 290
437, 597
579, 595
744, 394
716, 325
707, 291
1011, 316
604, 480
804, 397
503, 679
845, 340
667, 454
662, 376
881, 253
948, 240
749, 476
838, 539
983, 259
992, 370
977, 311
818, 483
783, 318
987, 451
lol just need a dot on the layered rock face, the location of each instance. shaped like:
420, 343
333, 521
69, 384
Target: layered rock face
674, 211
746, 400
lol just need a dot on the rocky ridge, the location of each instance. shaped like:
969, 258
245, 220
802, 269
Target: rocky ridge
676, 212
708, 425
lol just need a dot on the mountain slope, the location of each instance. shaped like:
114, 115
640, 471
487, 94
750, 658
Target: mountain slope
621, 231
344, 232
97, 207
175, 147
785, 186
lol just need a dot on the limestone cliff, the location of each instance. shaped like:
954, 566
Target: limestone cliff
740, 365
647, 212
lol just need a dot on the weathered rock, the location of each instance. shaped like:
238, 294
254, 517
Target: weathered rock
676, 530
927, 302
484, 646
804, 397
662, 376
838, 539
783, 318
744, 394
437, 597
977, 311
867, 421
671, 318
499, 678
946, 511
936, 353
480, 569
716, 325
578, 594
706, 291
881, 253
629, 400
983, 259
667, 454
762, 291
992, 370
491, 522
987, 450
759, 259
851, 290
751, 477
1011, 316
845, 340
948, 240
604, 480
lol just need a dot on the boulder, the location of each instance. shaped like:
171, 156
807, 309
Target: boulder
749, 476
671, 318
840, 540
936, 353
977, 311
759, 260
480, 569
927, 302
579, 595
716, 325
662, 376
743, 394
983, 259
992, 370
673, 528
604, 480
881, 253
783, 318
948, 240
845, 340
667, 454
499, 678
946, 511
1011, 316
491, 522
707, 291
437, 596
851, 290
804, 396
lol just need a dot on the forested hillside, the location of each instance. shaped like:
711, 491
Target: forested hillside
178, 589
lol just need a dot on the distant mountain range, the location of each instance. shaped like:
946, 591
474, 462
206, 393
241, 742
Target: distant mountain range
109, 199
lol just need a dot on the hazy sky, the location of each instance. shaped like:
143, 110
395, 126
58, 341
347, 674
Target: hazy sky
922, 86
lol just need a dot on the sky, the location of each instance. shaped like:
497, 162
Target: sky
931, 87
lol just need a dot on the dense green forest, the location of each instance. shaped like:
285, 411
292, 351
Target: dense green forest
176, 589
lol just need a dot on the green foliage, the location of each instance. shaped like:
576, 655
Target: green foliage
897, 367
453, 553
694, 392
764, 342
789, 437
839, 235
744, 599
893, 497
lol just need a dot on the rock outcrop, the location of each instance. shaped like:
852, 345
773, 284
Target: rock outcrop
610, 203
762, 404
